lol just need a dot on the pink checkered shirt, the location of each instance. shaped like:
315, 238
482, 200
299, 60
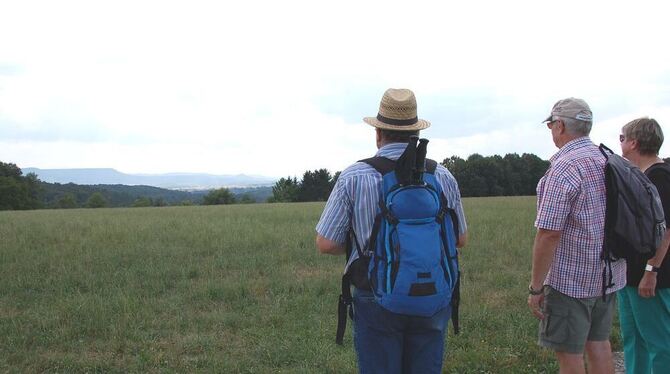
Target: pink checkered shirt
571, 199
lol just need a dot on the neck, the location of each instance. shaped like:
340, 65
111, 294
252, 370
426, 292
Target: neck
644, 161
567, 139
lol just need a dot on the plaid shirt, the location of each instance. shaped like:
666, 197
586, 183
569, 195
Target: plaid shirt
354, 201
571, 199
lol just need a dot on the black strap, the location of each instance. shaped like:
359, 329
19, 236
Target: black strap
343, 306
385, 165
431, 165
602, 148
455, 304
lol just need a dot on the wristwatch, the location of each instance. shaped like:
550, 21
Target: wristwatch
651, 268
534, 292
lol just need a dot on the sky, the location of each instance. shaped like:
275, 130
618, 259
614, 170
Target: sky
275, 88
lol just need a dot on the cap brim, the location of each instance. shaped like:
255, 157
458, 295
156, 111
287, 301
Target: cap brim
548, 119
419, 125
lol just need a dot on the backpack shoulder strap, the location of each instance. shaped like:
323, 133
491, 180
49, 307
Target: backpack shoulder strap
605, 150
431, 165
383, 165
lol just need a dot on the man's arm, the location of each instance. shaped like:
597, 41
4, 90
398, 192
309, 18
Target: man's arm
330, 247
462, 240
544, 248
647, 286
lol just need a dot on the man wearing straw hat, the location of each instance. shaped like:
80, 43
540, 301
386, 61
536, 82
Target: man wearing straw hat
567, 289
386, 342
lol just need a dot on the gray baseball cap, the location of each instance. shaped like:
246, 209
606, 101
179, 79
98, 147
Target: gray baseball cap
571, 108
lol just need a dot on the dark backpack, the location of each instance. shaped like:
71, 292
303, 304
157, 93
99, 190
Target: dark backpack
410, 261
634, 217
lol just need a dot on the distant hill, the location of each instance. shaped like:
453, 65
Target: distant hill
175, 181
118, 195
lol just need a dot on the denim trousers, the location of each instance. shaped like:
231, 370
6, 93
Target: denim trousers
392, 343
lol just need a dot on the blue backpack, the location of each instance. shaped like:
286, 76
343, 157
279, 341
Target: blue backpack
410, 261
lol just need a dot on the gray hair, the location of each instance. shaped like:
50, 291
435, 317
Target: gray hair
648, 134
576, 127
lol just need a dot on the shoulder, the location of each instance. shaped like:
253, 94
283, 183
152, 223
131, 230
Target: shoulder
445, 178
660, 171
357, 174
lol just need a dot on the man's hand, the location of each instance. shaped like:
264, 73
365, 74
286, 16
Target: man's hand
647, 287
535, 304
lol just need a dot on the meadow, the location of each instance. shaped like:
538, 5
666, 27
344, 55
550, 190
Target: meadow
234, 289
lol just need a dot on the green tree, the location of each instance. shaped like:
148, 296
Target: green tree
159, 201
218, 197
96, 200
315, 186
285, 190
142, 202
18, 191
67, 201
247, 199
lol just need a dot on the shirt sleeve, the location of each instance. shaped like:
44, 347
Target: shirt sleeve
450, 188
336, 217
561, 186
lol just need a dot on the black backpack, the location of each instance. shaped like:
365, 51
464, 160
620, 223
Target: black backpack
634, 217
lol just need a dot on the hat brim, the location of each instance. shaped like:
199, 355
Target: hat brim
419, 125
548, 119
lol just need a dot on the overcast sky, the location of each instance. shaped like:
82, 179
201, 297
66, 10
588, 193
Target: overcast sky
279, 87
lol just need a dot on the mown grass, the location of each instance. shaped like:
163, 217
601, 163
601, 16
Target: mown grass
232, 289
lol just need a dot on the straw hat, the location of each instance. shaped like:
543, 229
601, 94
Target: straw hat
397, 111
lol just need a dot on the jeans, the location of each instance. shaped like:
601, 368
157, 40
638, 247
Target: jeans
391, 343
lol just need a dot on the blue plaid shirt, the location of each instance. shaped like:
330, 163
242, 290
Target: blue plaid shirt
354, 201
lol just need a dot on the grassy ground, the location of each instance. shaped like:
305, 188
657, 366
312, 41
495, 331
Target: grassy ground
231, 289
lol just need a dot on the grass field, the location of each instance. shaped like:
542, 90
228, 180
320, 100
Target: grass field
235, 288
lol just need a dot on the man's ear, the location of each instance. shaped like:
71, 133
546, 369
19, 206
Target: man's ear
634, 144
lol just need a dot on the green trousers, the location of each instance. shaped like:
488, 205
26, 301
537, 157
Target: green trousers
645, 328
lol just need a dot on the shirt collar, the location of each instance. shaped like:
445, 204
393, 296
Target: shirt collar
571, 146
391, 150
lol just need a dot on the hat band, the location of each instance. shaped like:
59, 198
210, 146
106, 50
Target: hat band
397, 122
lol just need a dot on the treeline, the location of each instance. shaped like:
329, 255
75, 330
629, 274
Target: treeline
511, 175
16, 190
19, 192
314, 186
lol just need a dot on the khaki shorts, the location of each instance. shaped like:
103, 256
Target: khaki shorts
569, 322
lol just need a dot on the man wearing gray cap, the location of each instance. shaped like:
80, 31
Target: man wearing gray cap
567, 283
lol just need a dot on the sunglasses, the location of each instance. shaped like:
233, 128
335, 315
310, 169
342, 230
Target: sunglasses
621, 138
550, 124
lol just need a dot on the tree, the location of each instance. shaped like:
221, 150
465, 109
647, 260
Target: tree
285, 190
142, 202
510, 175
67, 201
315, 186
247, 199
218, 197
18, 191
96, 200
